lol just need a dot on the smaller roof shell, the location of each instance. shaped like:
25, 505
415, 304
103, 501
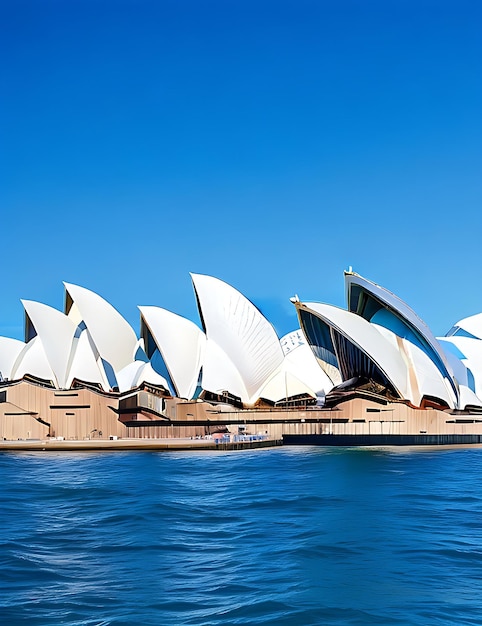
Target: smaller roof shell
181, 344
33, 361
115, 339
471, 325
301, 362
57, 332
10, 350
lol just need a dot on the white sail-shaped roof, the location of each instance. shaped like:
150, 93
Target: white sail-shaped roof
114, 338
139, 372
85, 363
298, 375
33, 361
57, 332
219, 373
181, 344
468, 352
127, 377
300, 361
10, 350
469, 398
147, 374
292, 340
240, 331
424, 376
470, 327
364, 336
429, 381
284, 385
380, 305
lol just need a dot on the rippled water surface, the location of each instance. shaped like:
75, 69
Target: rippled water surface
284, 536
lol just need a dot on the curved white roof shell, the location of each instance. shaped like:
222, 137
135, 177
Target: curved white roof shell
468, 327
129, 374
284, 385
219, 374
85, 363
10, 350
301, 362
238, 330
70, 350
181, 344
469, 398
424, 376
469, 354
114, 338
56, 332
33, 361
426, 379
147, 374
366, 338
139, 372
356, 284
292, 340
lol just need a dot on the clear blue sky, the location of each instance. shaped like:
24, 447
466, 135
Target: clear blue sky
270, 144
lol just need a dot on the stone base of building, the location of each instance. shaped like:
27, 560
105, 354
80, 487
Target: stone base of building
30, 411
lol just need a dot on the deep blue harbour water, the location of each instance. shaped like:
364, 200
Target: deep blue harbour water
285, 536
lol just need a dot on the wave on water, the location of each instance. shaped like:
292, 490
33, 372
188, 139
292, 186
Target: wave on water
290, 536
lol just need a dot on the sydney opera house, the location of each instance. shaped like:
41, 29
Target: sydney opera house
371, 373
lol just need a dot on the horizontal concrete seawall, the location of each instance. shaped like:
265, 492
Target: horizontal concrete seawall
136, 444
